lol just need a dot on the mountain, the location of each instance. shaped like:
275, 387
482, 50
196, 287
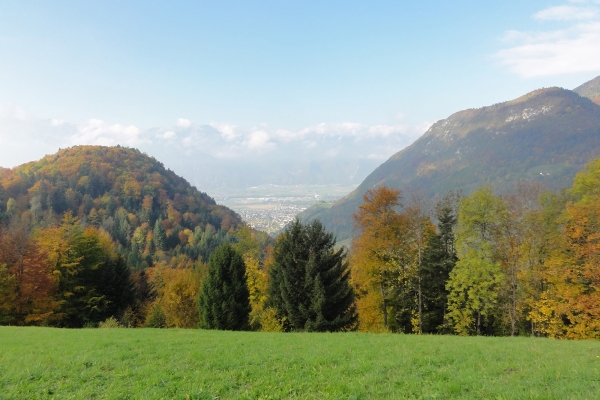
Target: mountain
151, 213
545, 136
590, 89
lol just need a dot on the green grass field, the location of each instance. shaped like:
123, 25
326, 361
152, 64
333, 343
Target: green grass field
196, 364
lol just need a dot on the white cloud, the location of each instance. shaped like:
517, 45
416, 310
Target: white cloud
98, 132
227, 131
202, 152
572, 49
259, 140
184, 123
167, 135
566, 13
374, 156
9, 111
344, 129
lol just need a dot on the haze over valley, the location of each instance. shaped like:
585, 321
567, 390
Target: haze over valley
313, 110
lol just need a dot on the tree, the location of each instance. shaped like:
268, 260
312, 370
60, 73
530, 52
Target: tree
11, 207
309, 281
569, 305
475, 280
30, 277
160, 237
8, 296
92, 282
3, 201
224, 300
179, 298
439, 259
387, 255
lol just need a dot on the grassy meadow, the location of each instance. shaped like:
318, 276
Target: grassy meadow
196, 364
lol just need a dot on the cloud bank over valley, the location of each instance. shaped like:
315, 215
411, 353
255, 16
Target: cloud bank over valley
220, 156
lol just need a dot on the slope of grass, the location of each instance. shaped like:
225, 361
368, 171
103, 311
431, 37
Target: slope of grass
195, 364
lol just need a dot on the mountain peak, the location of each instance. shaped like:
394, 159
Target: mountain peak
543, 137
590, 89
510, 115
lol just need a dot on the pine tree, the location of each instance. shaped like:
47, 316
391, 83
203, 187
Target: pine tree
224, 302
160, 237
309, 286
439, 259
117, 285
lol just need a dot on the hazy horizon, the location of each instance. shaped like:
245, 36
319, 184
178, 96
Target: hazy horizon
230, 95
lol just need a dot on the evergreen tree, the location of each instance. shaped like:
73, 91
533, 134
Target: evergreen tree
439, 259
117, 285
3, 200
224, 302
160, 237
309, 286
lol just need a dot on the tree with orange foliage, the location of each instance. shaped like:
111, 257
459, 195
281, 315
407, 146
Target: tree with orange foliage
28, 281
386, 261
570, 305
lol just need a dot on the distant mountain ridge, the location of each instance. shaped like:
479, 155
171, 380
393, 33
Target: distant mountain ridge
544, 136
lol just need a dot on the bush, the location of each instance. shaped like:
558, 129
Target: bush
109, 323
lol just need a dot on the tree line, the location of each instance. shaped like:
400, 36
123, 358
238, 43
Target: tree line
523, 263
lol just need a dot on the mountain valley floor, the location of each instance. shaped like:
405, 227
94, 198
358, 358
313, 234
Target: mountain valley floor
270, 207
198, 364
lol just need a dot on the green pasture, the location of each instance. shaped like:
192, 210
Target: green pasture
196, 364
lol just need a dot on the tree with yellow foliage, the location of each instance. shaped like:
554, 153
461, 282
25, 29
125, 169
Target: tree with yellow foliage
570, 305
386, 261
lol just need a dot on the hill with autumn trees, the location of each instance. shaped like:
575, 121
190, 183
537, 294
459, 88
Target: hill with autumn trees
94, 232
142, 205
544, 137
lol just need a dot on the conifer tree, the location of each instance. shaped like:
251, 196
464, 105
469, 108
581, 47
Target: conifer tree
117, 285
224, 300
439, 259
160, 237
309, 286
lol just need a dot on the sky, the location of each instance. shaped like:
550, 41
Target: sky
238, 81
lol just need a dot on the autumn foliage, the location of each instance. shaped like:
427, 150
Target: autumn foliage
92, 233
525, 263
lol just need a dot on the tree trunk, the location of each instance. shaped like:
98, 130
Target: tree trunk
420, 308
383, 305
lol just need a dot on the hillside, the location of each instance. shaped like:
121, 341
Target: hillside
590, 89
545, 136
130, 195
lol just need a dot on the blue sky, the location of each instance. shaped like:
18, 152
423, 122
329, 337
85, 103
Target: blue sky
121, 68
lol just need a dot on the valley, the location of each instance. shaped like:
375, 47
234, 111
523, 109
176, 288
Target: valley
270, 207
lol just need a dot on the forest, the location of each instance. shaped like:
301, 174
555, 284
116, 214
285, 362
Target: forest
524, 263
107, 237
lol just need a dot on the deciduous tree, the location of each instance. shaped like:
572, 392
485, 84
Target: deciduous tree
475, 280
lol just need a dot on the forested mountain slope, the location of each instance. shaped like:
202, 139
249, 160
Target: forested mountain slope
590, 89
147, 209
545, 136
